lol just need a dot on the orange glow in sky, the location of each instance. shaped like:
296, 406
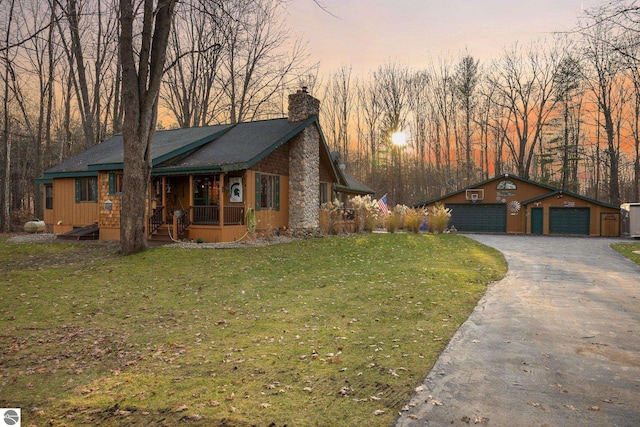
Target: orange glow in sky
368, 33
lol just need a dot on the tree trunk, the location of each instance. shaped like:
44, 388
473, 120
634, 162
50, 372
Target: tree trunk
140, 89
5, 197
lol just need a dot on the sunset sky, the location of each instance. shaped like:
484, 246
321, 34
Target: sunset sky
368, 33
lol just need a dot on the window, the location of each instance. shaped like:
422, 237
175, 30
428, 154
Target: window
86, 189
267, 192
115, 182
48, 196
324, 193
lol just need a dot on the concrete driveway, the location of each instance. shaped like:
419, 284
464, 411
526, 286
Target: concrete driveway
555, 343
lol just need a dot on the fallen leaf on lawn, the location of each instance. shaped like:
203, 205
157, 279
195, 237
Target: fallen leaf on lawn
434, 402
413, 417
607, 401
232, 409
265, 405
181, 408
307, 389
419, 388
571, 407
379, 412
594, 408
345, 390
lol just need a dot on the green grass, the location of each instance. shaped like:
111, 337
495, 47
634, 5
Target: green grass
313, 332
630, 250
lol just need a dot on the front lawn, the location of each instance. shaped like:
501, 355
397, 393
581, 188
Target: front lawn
325, 331
630, 250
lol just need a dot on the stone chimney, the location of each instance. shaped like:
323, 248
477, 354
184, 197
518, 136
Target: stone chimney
304, 164
302, 105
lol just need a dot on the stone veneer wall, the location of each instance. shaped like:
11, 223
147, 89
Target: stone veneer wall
304, 164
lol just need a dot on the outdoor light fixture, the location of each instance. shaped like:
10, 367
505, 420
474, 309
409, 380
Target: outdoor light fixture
108, 205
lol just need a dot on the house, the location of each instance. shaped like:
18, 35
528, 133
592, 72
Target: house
211, 183
509, 204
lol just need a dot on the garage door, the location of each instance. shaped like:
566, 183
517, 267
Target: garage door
569, 220
484, 218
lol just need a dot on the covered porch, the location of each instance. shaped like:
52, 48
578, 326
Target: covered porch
210, 207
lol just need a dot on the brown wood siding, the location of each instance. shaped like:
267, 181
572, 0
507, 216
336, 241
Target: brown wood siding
268, 219
568, 201
326, 174
523, 191
276, 163
520, 221
66, 212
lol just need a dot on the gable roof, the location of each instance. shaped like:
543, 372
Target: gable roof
568, 193
352, 185
240, 147
480, 184
552, 192
195, 150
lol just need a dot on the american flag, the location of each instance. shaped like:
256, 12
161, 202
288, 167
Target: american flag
382, 204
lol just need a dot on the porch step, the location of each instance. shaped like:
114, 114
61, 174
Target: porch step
90, 232
161, 235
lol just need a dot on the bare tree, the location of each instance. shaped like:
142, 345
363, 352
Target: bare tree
602, 76
392, 83
195, 50
8, 75
337, 105
443, 98
143, 58
569, 94
466, 81
370, 113
419, 125
525, 81
256, 64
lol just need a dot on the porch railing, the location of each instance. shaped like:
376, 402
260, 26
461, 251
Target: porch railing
210, 215
184, 221
233, 215
155, 220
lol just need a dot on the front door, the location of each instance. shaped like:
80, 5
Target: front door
537, 221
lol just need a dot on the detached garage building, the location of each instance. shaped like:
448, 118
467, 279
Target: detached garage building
508, 204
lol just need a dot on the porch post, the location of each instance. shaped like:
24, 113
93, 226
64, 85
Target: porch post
164, 193
190, 198
221, 198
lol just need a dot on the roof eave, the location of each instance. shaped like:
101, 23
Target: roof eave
230, 167
192, 146
71, 174
280, 142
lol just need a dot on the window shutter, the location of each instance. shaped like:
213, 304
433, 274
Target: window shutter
112, 183
277, 195
258, 191
78, 190
94, 189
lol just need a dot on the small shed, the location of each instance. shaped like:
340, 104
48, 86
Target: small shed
513, 205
